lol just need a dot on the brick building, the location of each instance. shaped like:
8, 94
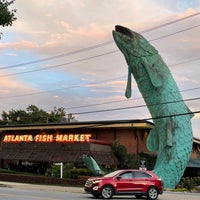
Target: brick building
68, 142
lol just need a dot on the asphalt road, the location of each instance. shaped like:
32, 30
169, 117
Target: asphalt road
18, 191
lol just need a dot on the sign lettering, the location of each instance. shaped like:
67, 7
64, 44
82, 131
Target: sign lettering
48, 138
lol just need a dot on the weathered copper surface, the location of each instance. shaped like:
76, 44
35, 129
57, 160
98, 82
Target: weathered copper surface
172, 135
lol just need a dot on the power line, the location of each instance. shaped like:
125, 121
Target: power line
94, 83
97, 45
100, 104
117, 101
174, 33
59, 65
131, 107
60, 55
184, 62
110, 102
171, 22
147, 119
175, 115
152, 118
110, 123
64, 88
91, 57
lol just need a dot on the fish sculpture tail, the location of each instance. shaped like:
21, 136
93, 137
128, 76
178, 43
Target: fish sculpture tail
174, 149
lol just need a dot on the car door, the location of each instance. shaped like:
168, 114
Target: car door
140, 180
124, 182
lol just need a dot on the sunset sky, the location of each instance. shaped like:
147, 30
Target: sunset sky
60, 53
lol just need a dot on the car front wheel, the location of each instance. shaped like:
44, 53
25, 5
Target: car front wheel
152, 193
107, 192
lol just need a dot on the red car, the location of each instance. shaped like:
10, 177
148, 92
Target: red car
125, 182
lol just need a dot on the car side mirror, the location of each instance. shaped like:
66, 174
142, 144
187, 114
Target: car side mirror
119, 177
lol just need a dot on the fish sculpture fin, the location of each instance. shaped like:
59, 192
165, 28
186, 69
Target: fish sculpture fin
128, 85
170, 130
152, 140
153, 72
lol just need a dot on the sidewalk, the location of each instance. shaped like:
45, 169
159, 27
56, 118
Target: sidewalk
41, 187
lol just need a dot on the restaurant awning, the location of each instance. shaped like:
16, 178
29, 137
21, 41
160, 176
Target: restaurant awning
54, 152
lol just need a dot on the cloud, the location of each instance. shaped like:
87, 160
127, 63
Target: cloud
11, 86
11, 54
48, 28
77, 23
91, 31
20, 45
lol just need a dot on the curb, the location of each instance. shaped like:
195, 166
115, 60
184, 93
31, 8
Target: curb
42, 187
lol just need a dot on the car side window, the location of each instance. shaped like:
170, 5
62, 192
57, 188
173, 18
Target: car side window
126, 175
141, 175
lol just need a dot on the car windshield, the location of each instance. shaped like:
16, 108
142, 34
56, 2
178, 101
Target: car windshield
112, 173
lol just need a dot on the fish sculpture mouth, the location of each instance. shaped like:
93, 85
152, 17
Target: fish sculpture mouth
126, 33
123, 30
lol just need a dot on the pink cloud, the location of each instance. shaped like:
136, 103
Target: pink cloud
20, 45
8, 85
91, 31
188, 12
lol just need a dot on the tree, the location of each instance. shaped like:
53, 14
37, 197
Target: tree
56, 115
127, 160
121, 154
6, 16
13, 117
32, 115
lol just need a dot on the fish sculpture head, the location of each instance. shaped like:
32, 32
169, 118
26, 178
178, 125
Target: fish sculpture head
132, 43
135, 49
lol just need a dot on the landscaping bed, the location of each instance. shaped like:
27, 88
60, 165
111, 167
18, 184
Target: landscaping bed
80, 181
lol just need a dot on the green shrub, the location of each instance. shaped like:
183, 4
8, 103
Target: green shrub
69, 171
180, 190
190, 183
80, 172
197, 188
53, 171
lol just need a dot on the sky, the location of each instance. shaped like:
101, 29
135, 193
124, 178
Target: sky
60, 53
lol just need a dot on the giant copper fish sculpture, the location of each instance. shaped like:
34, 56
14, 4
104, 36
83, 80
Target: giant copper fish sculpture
172, 134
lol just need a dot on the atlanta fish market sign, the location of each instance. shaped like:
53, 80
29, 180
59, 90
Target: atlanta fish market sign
48, 138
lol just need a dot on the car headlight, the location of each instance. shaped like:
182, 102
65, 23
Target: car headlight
95, 188
96, 181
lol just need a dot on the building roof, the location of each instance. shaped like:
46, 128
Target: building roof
80, 125
196, 140
142, 124
194, 163
54, 152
